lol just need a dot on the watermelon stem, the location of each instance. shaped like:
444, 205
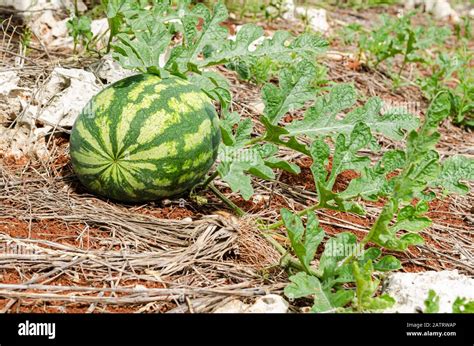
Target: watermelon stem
280, 223
227, 201
255, 140
286, 259
209, 179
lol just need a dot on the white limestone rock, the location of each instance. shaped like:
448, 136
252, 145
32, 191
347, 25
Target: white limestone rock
270, 303
410, 290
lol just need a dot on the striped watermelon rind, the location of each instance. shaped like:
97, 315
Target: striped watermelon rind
144, 138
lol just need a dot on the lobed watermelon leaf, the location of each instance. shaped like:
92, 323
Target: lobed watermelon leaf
421, 167
320, 119
304, 241
144, 50
303, 285
295, 88
453, 171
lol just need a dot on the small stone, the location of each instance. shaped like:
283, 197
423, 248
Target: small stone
232, 307
140, 288
270, 303
258, 106
8, 81
65, 95
259, 198
288, 9
316, 18
109, 70
441, 9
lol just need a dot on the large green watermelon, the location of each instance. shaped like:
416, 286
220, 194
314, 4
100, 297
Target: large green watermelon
143, 138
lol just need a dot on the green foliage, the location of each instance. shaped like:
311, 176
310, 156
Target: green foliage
418, 167
80, 30
422, 45
203, 45
397, 36
296, 88
421, 168
303, 241
432, 303
342, 262
366, 289
304, 285
25, 38
454, 170
463, 31
463, 306
238, 160
460, 305
449, 69
145, 39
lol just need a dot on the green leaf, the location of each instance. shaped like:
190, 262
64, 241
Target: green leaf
275, 163
295, 88
112, 7
431, 303
345, 154
392, 160
334, 201
281, 47
369, 185
409, 219
320, 118
454, 170
236, 132
304, 285
387, 263
463, 306
371, 253
80, 27
275, 133
227, 128
336, 249
208, 38
381, 302
421, 169
237, 162
268, 152
143, 51
233, 173
345, 157
366, 289
320, 154
411, 239
438, 110
303, 241
341, 297
215, 85
235, 50
384, 235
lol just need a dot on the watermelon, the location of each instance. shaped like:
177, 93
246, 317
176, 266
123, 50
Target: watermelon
144, 138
